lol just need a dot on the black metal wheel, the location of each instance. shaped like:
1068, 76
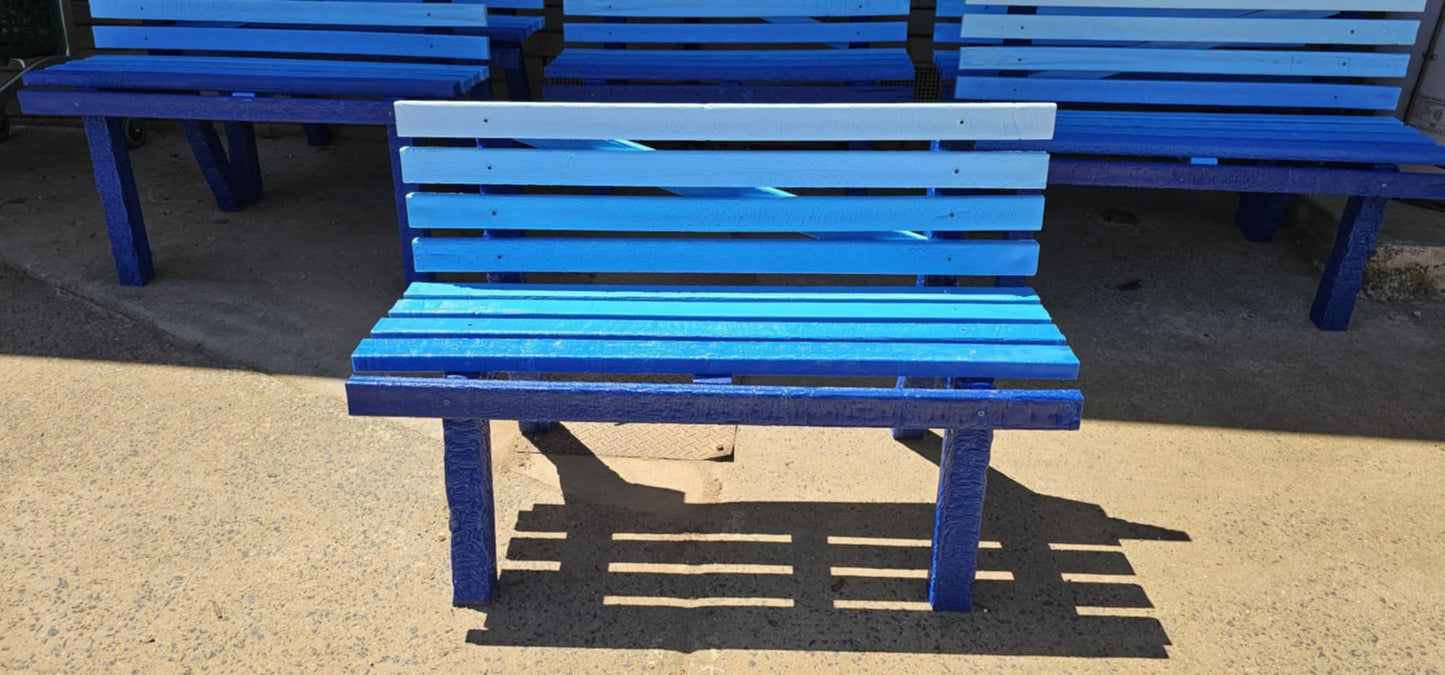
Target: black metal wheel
135, 134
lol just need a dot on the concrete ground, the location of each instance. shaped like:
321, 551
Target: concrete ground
184, 489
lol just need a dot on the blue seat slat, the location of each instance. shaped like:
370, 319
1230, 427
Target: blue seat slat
734, 8
1187, 61
737, 33
960, 309
947, 257
357, 43
806, 65
754, 357
515, 291
296, 76
429, 210
1180, 92
724, 168
330, 12
663, 329
1192, 29
243, 64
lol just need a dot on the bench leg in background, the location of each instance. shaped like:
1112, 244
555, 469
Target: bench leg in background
1344, 273
921, 382
519, 83
245, 161
115, 182
215, 166
317, 135
400, 190
468, 463
963, 472
1260, 214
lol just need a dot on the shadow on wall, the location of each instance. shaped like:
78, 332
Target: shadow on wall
597, 571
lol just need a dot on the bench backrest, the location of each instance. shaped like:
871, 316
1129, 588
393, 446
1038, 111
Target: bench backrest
713, 155
642, 24
380, 30
1221, 54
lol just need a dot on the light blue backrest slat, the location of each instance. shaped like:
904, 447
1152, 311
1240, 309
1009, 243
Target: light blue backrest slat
726, 122
725, 9
1191, 29
1190, 93
1197, 61
977, 213
548, 178
314, 12
725, 168
290, 41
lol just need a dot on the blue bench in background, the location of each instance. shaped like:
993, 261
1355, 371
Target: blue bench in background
733, 50
464, 334
1269, 98
248, 61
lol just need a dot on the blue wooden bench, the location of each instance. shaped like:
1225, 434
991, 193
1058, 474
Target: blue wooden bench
465, 334
1269, 98
248, 61
733, 50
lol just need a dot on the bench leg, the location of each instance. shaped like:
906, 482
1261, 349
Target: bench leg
519, 83
317, 135
116, 183
1260, 214
1345, 271
473, 521
400, 190
245, 161
215, 166
963, 472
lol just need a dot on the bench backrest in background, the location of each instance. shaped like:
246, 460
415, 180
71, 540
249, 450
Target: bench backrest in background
642, 24
391, 31
1210, 54
711, 152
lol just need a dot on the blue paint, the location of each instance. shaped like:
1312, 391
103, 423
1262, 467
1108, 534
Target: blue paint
400, 189
245, 161
470, 500
1345, 270
115, 182
1260, 214
962, 475
215, 166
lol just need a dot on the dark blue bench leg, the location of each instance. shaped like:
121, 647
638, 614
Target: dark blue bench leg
962, 475
245, 161
215, 166
400, 190
115, 182
468, 463
317, 135
1345, 271
1260, 214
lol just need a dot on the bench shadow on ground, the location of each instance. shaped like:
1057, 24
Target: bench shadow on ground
622, 565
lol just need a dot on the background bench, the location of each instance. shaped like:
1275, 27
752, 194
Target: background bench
733, 50
466, 333
247, 61
1269, 98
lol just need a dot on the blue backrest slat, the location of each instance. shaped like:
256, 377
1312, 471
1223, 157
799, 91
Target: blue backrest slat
698, 9
386, 30
1206, 54
835, 23
640, 224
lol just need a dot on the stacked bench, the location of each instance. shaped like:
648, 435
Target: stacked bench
248, 61
468, 335
1268, 98
733, 51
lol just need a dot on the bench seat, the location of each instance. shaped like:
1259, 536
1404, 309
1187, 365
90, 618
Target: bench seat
813, 65
261, 75
974, 333
1301, 138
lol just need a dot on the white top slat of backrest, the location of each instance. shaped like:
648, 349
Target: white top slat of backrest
1262, 5
726, 122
